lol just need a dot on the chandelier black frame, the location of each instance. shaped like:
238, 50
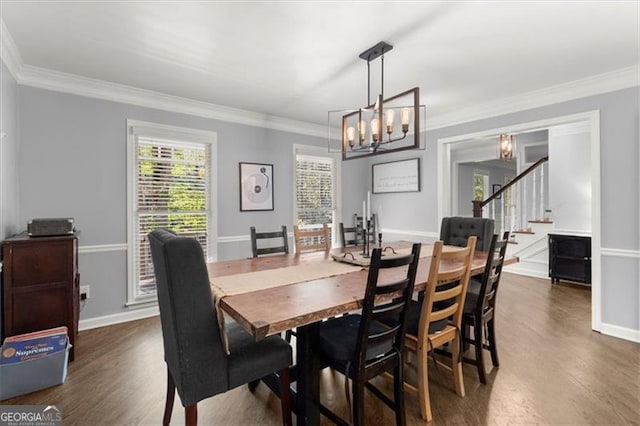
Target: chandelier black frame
384, 132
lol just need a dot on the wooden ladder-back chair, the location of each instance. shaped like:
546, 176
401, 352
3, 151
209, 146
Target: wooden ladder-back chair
363, 346
480, 306
438, 318
313, 239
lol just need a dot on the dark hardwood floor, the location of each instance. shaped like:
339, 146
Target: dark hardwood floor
553, 370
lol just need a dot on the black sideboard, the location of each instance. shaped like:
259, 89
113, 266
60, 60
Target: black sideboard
569, 258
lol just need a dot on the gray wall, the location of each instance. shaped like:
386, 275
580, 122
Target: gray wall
73, 163
619, 193
8, 153
9, 201
465, 184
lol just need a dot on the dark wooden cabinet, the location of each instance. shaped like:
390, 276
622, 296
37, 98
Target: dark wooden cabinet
569, 258
41, 285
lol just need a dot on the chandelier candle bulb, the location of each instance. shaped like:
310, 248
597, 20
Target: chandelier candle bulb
362, 126
351, 135
390, 116
405, 116
374, 130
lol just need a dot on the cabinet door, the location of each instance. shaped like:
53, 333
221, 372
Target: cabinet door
39, 308
43, 263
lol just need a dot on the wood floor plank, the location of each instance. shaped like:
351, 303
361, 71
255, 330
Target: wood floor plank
553, 370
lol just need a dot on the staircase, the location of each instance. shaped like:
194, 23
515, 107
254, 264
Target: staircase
519, 207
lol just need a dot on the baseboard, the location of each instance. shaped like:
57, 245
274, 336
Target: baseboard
131, 315
520, 270
620, 332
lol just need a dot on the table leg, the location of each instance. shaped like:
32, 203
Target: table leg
308, 383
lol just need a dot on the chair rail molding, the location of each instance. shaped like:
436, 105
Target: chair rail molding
102, 248
635, 254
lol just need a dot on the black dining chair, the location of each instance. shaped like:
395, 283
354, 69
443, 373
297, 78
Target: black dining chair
198, 365
349, 236
361, 346
480, 307
280, 238
455, 231
354, 235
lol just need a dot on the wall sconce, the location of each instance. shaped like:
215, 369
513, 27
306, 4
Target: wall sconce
506, 146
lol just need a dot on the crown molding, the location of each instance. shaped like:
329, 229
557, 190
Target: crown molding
9, 52
83, 86
99, 89
595, 85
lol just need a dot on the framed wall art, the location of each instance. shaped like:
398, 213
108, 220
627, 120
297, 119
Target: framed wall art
396, 176
256, 187
496, 187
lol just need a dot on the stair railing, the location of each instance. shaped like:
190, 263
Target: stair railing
515, 214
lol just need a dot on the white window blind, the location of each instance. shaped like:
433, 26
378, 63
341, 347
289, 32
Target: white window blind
315, 190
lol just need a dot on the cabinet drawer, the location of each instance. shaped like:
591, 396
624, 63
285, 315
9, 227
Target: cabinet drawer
41, 263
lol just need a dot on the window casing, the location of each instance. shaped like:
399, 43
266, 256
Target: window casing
316, 187
171, 185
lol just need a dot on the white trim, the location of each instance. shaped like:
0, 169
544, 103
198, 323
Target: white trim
83, 86
634, 254
571, 232
112, 319
135, 127
69, 83
423, 234
593, 120
102, 248
234, 239
620, 332
590, 86
316, 151
9, 52
520, 269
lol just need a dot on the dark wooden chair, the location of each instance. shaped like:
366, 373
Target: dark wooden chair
353, 235
349, 235
455, 231
480, 306
198, 365
282, 247
361, 346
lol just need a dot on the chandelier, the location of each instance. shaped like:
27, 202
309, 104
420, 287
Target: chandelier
505, 146
383, 126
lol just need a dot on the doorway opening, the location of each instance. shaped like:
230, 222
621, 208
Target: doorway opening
453, 151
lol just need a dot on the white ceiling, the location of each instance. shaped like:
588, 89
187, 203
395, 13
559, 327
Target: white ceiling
300, 59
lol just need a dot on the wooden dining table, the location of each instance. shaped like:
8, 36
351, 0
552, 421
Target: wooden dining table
303, 305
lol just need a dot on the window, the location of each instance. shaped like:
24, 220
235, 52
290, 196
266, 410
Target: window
316, 186
480, 185
170, 186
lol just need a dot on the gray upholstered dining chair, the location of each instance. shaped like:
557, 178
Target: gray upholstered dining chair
455, 231
198, 365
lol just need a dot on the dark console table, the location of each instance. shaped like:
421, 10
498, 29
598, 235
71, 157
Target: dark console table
569, 258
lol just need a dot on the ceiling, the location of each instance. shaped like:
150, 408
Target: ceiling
299, 59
